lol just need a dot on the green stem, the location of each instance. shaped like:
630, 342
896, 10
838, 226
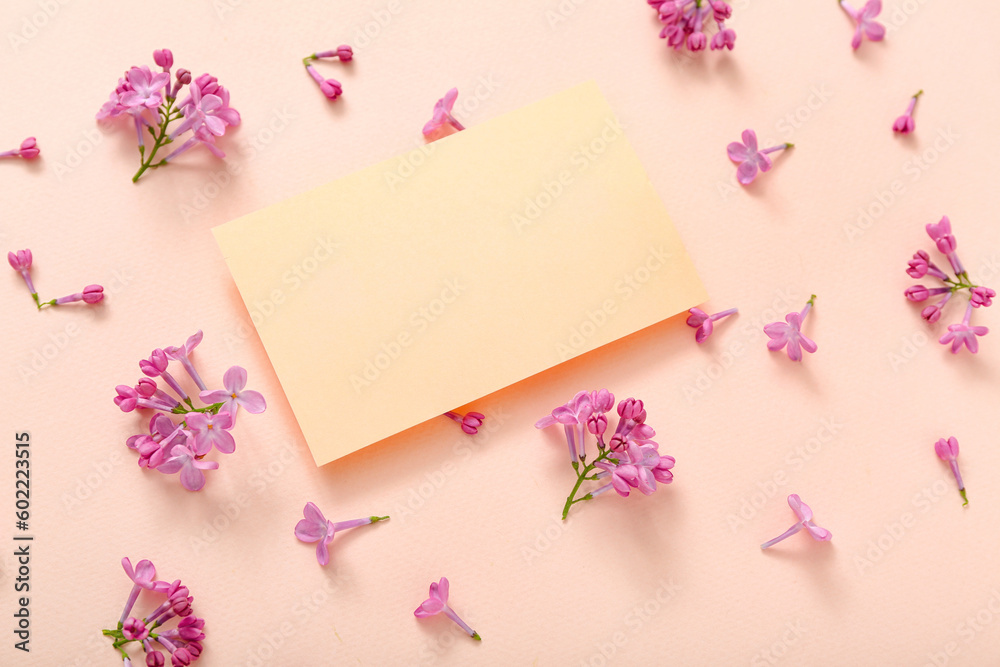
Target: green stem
167, 115
581, 475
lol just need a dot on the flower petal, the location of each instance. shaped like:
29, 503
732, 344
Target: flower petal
234, 379
253, 401
309, 531
750, 139
442, 590
737, 152
192, 478
322, 552
746, 172
803, 511
821, 534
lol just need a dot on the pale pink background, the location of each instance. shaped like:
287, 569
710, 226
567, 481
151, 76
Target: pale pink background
484, 511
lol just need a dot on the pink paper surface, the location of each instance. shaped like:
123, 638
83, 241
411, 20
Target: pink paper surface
675, 578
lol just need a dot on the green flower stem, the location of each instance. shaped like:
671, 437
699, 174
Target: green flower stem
581, 475
167, 115
213, 408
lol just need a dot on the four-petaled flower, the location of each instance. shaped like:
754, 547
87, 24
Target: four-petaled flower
208, 429
317, 528
234, 395
145, 88
185, 460
789, 333
750, 158
805, 515
438, 602
865, 21
964, 333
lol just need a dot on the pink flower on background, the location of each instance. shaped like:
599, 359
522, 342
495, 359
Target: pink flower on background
704, 323
28, 150
181, 448
164, 58
185, 461
981, 297
905, 123
573, 416
470, 422
442, 115
91, 294
183, 642
630, 459
749, 158
684, 23
150, 101
211, 430
209, 111
344, 52
789, 334
805, 515
317, 528
438, 602
330, 87
964, 333
947, 451
234, 395
145, 88
865, 22
20, 261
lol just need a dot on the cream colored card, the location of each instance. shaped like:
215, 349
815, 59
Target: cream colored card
423, 283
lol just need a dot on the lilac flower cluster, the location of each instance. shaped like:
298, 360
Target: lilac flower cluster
150, 100
171, 447
921, 266
630, 459
183, 642
684, 23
